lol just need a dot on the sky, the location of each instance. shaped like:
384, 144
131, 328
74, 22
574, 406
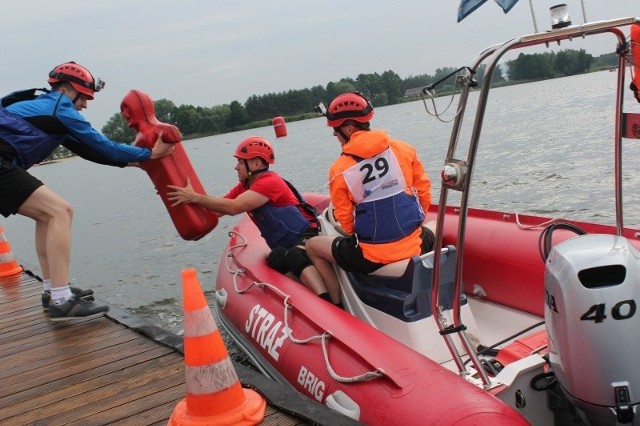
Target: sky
207, 52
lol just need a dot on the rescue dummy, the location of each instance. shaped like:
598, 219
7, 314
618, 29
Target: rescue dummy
191, 221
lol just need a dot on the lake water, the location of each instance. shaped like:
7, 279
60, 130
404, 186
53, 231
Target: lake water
546, 148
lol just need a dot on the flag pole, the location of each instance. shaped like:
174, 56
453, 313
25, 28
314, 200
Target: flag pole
533, 16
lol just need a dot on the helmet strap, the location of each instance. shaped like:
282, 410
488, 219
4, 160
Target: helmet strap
75, 98
250, 173
343, 134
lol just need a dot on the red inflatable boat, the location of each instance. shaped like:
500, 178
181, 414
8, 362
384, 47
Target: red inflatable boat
512, 319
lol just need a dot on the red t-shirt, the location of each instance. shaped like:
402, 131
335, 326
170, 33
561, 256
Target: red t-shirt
272, 186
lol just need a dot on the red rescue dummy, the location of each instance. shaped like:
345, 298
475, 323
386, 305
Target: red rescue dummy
191, 221
635, 52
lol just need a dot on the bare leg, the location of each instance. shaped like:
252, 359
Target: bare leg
53, 216
41, 250
312, 280
319, 251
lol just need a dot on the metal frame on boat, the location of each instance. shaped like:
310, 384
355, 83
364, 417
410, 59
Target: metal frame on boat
457, 173
413, 347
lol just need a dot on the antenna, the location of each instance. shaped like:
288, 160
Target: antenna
584, 14
533, 16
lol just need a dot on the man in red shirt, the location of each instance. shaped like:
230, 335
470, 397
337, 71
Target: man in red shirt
275, 209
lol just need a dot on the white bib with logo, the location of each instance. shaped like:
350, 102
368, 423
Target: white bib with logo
375, 178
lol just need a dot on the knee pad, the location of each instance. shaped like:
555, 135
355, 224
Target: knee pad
296, 260
276, 260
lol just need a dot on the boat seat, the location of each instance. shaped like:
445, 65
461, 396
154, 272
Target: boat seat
408, 297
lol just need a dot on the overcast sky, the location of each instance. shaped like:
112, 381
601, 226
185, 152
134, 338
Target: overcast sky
208, 52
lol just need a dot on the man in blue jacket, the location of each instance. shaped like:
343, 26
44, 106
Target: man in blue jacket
31, 127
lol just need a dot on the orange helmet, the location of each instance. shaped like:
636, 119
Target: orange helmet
349, 106
253, 147
78, 76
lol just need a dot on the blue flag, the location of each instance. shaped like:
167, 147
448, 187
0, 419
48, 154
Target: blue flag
468, 6
506, 5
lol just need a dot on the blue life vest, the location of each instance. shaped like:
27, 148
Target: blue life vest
384, 212
388, 219
31, 144
280, 226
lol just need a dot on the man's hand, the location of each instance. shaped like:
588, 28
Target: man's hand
161, 148
184, 195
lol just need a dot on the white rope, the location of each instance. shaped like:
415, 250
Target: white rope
435, 112
324, 337
369, 375
457, 83
540, 225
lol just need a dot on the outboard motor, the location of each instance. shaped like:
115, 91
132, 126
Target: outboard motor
592, 290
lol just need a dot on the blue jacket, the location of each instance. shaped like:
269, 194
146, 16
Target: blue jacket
34, 128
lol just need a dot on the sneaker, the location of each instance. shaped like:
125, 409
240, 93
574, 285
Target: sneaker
76, 308
82, 294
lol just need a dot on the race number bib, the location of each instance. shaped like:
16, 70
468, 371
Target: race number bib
375, 178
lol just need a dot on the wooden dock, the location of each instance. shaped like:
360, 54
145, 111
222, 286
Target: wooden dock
116, 370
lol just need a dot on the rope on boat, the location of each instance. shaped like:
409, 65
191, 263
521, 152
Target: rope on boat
462, 76
525, 227
370, 375
324, 337
435, 112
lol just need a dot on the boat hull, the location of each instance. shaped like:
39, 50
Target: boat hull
333, 357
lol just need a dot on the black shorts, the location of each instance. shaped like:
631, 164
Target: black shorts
348, 255
310, 232
16, 185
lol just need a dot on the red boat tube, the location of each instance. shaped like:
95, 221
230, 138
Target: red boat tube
192, 222
329, 355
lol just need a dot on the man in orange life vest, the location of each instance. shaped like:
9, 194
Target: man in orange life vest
274, 207
380, 193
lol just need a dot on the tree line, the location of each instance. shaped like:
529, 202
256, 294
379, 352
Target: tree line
383, 89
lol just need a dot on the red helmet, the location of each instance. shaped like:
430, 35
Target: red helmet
78, 76
349, 106
253, 147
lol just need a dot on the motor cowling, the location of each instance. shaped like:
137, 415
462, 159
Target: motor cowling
592, 290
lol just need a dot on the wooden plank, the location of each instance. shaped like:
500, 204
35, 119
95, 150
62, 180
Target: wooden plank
30, 384
94, 372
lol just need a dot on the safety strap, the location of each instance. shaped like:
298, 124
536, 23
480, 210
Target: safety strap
303, 203
21, 95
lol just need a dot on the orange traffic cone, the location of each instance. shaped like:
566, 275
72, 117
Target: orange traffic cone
214, 393
8, 264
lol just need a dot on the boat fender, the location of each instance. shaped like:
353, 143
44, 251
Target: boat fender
279, 127
342, 403
297, 260
191, 221
635, 52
